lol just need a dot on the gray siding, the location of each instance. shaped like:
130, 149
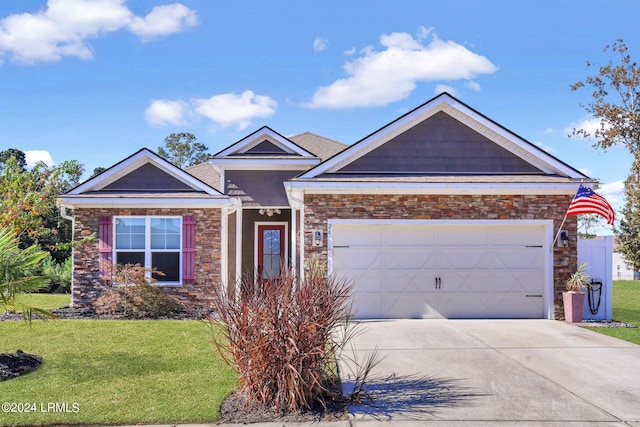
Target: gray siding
145, 178
266, 147
440, 145
258, 188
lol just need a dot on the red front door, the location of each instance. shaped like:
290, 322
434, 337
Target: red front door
271, 250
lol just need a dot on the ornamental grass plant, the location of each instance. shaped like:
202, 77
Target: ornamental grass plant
283, 336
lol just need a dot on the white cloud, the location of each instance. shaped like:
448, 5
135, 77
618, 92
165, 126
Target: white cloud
589, 125
164, 20
350, 51
613, 191
64, 27
162, 112
232, 109
320, 44
548, 130
379, 78
474, 86
226, 110
446, 88
34, 156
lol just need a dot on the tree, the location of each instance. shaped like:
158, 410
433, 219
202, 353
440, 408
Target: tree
25, 200
616, 103
13, 153
97, 171
629, 231
183, 150
17, 273
56, 234
587, 222
28, 203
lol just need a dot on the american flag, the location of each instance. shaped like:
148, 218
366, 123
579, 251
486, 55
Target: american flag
587, 201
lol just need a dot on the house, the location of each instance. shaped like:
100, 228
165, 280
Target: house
621, 269
440, 213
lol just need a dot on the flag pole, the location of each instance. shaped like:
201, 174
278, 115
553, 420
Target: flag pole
565, 218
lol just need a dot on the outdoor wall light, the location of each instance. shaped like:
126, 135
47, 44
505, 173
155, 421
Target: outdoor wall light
563, 241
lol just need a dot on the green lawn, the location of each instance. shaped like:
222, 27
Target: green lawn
116, 372
45, 301
626, 308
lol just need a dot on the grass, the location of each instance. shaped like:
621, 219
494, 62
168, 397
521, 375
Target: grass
626, 308
44, 301
116, 372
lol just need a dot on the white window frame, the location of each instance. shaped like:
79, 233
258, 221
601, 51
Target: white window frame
147, 243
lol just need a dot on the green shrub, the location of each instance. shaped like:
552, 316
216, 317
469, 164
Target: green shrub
59, 274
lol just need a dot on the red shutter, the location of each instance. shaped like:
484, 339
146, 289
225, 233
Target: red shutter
105, 237
188, 249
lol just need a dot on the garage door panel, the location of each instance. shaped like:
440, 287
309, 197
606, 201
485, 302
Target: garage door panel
440, 270
463, 236
416, 258
475, 282
358, 259
416, 282
411, 307
367, 235
519, 258
367, 282
518, 236
523, 282
465, 259
368, 306
406, 235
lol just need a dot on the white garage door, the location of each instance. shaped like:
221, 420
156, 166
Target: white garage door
442, 270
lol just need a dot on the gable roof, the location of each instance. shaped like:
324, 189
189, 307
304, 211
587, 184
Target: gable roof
121, 177
264, 141
318, 145
144, 179
517, 153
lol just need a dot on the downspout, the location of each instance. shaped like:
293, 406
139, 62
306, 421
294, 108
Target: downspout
63, 213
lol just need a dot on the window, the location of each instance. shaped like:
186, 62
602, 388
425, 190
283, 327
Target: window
153, 242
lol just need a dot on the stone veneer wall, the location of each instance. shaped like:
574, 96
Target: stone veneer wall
86, 286
321, 207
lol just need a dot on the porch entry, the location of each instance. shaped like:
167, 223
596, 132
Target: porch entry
271, 249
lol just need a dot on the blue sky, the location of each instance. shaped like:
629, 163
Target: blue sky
97, 80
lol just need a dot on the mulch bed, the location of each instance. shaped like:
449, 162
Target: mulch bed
606, 324
235, 409
12, 365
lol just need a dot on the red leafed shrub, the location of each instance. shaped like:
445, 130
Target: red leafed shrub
133, 294
282, 335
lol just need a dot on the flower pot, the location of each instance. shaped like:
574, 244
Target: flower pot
573, 306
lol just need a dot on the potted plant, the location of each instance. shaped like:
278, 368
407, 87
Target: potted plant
573, 298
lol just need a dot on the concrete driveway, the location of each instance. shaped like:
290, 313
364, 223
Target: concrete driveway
485, 372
